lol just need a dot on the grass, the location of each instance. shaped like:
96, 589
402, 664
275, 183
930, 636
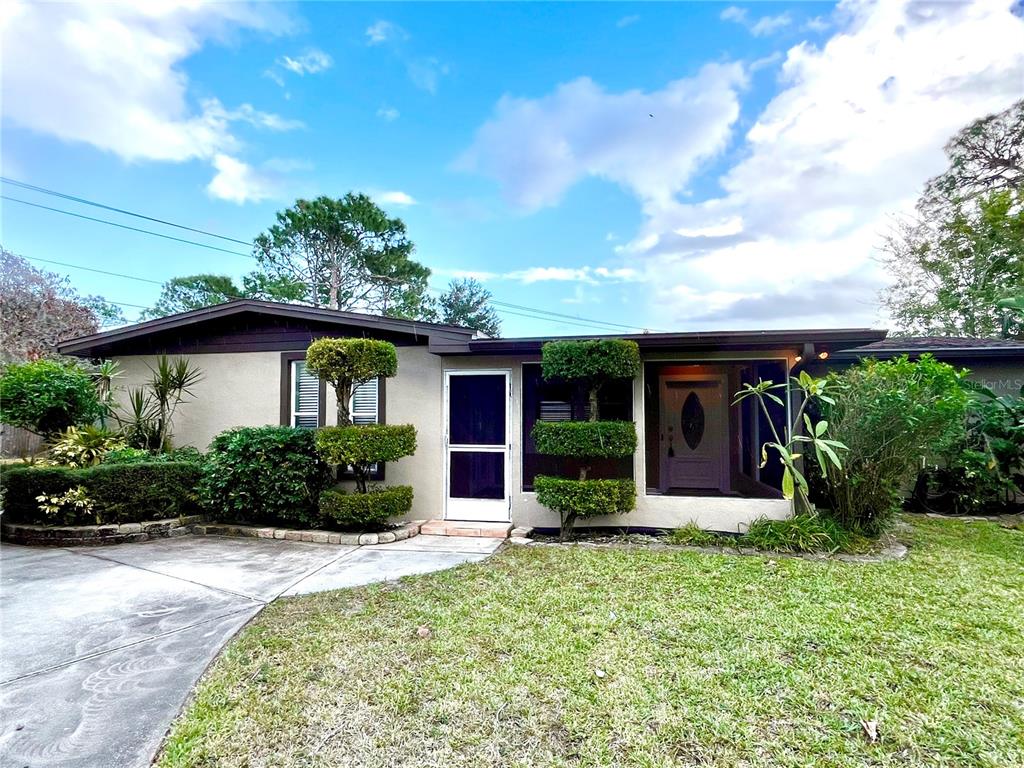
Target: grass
801, 533
544, 656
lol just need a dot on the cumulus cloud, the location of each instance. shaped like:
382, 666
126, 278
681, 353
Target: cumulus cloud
309, 63
110, 76
238, 182
649, 142
857, 128
759, 27
396, 197
384, 32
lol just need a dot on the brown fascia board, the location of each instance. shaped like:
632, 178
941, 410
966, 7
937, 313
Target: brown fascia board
940, 353
830, 339
83, 344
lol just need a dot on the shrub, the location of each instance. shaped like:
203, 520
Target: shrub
693, 535
346, 363
263, 474
595, 359
585, 498
83, 446
800, 533
365, 511
585, 439
138, 456
48, 396
119, 493
71, 505
888, 415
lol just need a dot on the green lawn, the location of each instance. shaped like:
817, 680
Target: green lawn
583, 657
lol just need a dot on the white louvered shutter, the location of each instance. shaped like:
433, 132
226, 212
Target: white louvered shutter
305, 397
364, 405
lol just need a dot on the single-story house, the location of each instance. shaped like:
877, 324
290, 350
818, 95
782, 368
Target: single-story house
475, 400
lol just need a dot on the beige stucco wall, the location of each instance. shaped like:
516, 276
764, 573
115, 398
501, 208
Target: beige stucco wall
243, 389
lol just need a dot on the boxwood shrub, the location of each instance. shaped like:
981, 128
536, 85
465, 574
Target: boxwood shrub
364, 511
366, 443
585, 439
585, 498
121, 493
591, 359
264, 475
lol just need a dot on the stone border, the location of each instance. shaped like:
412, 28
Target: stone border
314, 536
99, 535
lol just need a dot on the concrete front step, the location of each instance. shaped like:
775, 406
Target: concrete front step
465, 528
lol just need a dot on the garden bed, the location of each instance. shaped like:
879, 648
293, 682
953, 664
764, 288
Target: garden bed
98, 535
401, 532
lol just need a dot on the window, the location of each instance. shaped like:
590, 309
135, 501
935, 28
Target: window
305, 397
563, 401
363, 405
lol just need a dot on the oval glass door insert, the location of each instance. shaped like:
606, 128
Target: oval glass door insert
693, 421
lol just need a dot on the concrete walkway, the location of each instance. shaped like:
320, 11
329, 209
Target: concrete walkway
99, 647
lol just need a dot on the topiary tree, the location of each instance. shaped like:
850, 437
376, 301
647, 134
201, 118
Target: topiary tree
48, 396
345, 364
592, 363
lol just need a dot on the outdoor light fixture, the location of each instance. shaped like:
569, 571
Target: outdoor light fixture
798, 358
823, 355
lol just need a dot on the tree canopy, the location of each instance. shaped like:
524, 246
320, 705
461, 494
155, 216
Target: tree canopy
182, 294
40, 309
955, 265
467, 302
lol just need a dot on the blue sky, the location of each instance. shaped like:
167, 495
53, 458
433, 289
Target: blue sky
662, 166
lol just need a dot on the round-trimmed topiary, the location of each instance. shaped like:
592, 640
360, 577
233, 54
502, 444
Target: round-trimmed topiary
585, 439
347, 363
595, 362
572, 499
364, 445
365, 511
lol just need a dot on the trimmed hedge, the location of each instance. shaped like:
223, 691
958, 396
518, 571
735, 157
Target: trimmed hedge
187, 454
264, 474
593, 359
355, 359
585, 498
585, 439
365, 511
121, 493
366, 443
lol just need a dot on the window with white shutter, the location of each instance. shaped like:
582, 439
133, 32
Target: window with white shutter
305, 397
364, 406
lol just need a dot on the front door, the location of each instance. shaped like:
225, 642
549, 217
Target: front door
476, 445
693, 433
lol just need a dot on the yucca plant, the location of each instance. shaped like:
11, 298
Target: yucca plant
170, 385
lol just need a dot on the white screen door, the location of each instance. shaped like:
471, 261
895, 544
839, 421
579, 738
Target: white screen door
477, 447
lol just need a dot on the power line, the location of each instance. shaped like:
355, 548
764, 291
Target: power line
86, 201
534, 313
92, 269
125, 226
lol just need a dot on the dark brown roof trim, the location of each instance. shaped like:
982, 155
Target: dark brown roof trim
414, 328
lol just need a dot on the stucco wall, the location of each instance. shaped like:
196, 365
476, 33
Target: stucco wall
243, 389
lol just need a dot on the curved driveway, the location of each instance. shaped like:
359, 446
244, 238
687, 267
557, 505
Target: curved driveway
99, 647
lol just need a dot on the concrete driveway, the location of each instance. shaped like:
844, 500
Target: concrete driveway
99, 647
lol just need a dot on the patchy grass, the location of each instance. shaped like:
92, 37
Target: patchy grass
545, 656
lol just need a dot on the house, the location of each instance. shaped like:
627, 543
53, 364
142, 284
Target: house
475, 400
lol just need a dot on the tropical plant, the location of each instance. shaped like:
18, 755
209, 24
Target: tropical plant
83, 446
104, 374
138, 422
48, 396
804, 532
67, 507
791, 440
170, 384
593, 363
890, 415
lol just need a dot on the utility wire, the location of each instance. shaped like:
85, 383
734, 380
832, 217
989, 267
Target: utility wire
535, 313
85, 201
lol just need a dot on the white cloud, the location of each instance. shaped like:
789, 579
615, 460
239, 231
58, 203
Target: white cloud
649, 142
426, 73
760, 27
627, 21
856, 130
384, 32
238, 182
395, 198
309, 63
109, 75
388, 114
585, 275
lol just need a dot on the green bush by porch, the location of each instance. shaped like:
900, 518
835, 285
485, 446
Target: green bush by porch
120, 493
585, 498
365, 511
366, 443
585, 439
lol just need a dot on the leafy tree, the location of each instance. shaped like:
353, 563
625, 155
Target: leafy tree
346, 252
48, 396
964, 251
182, 294
40, 309
951, 274
467, 302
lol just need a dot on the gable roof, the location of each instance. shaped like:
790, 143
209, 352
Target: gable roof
97, 344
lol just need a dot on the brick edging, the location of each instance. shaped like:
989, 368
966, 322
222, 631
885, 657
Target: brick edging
406, 531
99, 535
